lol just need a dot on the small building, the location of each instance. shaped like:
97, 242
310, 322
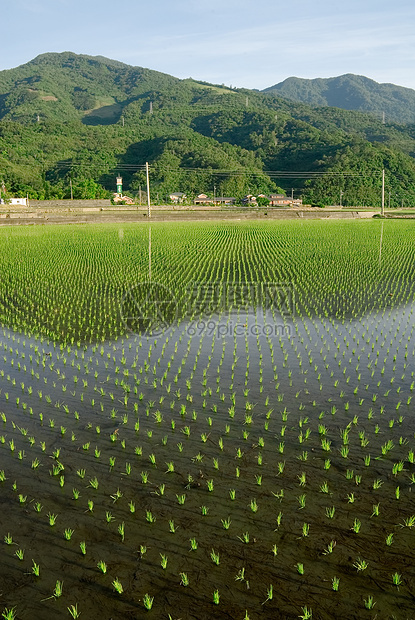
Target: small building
249, 200
224, 200
177, 197
279, 200
22, 202
118, 198
202, 199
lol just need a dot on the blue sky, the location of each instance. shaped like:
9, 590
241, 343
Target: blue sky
249, 43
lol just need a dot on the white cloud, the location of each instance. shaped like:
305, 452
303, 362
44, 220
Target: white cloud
259, 55
231, 41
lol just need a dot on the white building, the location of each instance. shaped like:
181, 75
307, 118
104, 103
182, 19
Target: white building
23, 202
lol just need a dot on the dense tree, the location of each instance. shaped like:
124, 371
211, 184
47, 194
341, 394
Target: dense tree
82, 120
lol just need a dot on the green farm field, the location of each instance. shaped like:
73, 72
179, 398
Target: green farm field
207, 420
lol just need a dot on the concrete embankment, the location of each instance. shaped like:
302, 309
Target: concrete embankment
101, 211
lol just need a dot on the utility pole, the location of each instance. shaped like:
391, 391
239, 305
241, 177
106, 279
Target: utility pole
70, 184
149, 253
341, 194
151, 107
383, 193
148, 191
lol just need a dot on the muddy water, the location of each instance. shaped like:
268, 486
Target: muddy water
280, 441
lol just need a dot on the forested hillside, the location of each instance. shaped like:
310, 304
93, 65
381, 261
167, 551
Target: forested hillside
351, 92
73, 119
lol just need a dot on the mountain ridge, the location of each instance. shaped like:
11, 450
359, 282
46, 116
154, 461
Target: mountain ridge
351, 92
73, 120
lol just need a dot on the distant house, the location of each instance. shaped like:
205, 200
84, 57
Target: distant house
249, 200
117, 198
279, 200
202, 199
225, 200
177, 197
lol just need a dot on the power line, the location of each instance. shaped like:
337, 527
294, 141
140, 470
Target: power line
273, 174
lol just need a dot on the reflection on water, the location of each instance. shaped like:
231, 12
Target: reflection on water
225, 389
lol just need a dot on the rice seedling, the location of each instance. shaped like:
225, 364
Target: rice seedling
9, 613
369, 602
117, 585
73, 610
302, 479
375, 510
321, 325
57, 592
35, 463
94, 483
52, 519
148, 601
397, 579
360, 564
150, 518
116, 496
324, 488
215, 557
270, 594
330, 547
302, 500
409, 522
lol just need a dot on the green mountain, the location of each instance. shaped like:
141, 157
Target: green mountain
351, 92
75, 120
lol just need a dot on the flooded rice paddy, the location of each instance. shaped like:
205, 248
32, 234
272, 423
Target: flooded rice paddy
207, 421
